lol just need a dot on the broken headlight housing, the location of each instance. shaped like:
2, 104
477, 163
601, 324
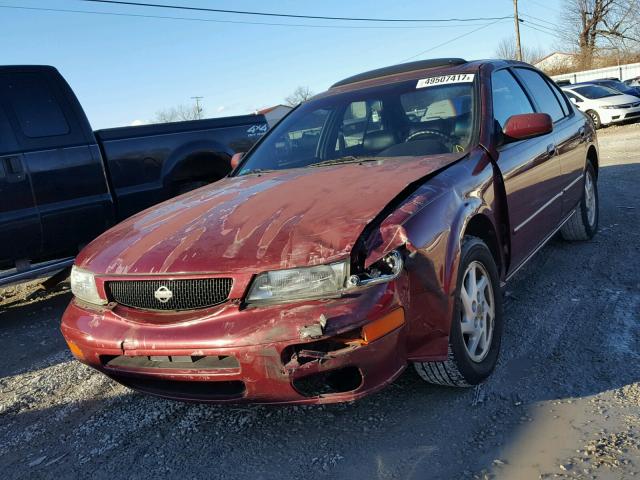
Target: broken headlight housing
384, 270
321, 281
83, 286
299, 283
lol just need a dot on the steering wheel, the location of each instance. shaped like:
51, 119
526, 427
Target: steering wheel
447, 139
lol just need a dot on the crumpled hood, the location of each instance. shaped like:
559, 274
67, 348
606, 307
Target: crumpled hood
253, 223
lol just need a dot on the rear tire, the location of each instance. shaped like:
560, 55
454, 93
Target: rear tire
474, 339
583, 224
595, 118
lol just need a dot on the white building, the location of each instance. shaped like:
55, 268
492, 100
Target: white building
555, 60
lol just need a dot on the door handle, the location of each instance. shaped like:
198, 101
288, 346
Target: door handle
12, 165
13, 168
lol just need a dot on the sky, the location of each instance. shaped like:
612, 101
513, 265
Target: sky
125, 69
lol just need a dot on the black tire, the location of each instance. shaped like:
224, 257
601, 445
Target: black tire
595, 118
580, 226
459, 370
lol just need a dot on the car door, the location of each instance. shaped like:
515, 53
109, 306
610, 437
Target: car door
67, 177
530, 169
20, 233
572, 141
569, 132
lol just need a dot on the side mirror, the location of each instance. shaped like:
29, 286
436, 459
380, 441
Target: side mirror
235, 160
527, 125
574, 100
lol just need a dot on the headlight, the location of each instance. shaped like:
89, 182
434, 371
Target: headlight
83, 286
625, 105
298, 283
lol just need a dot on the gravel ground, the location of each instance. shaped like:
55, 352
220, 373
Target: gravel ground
564, 401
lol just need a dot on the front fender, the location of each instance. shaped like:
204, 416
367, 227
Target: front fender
431, 226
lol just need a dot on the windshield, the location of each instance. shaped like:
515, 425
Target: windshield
595, 91
414, 118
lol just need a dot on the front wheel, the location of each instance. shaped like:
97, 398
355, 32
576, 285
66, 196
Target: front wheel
476, 327
595, 118
583, 224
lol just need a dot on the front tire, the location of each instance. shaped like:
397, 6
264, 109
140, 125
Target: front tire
595, 118
583, 224
476, 326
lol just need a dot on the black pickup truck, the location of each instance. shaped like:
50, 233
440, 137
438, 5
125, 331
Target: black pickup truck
62, 184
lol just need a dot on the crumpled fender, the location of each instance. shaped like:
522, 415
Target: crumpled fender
430, 226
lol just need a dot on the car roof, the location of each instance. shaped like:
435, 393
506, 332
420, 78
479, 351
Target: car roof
413, 70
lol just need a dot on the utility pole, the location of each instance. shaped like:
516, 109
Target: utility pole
198, 108
516, 19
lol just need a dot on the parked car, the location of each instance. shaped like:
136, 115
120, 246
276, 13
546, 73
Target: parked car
615, 84
61, 184
329, 260
603, 104
632, 82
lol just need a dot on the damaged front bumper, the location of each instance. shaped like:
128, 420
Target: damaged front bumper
309, 352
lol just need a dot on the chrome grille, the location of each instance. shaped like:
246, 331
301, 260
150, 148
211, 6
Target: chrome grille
186, 294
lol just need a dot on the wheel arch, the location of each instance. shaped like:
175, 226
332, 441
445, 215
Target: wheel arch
197, 161
480, 226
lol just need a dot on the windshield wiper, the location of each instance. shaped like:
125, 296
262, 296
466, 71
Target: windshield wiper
346, 159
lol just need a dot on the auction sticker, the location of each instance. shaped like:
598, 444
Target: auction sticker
446, 80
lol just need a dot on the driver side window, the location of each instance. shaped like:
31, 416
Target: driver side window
508, 97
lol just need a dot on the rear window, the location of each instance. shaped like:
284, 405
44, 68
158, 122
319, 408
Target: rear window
35, 106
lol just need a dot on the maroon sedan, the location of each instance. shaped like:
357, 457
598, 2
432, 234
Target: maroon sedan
372, 228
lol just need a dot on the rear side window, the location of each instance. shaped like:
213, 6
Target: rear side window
541, 92
508, 97
35, 106
561, 98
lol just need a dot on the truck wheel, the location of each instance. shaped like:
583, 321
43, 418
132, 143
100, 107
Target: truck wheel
595, 118
583, 224
476, 327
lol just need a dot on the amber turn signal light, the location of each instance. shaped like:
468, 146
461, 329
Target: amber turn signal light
75, 350
382, 326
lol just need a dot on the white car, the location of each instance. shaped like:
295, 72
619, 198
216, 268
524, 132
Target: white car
603, 104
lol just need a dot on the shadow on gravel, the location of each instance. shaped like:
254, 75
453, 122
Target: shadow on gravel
563, 316
29, 329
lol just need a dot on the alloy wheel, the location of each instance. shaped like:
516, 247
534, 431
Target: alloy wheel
478, 311
590, 198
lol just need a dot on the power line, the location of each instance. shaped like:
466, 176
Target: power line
553, 31
241, 22
543, 31
546, 7
288, 15
524, 14
453, 40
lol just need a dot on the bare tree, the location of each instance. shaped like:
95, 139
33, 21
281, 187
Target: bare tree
178, 113
593, 26
298, 96
507, 49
